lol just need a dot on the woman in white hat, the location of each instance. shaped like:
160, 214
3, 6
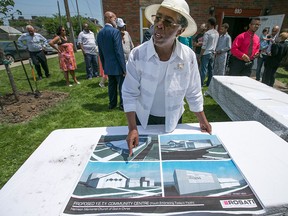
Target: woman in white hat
162, 72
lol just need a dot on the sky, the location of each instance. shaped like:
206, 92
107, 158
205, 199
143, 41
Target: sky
87, 8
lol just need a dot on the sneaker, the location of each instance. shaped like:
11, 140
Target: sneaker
70, 85
89, 78
78, 83
40, 78
101, 85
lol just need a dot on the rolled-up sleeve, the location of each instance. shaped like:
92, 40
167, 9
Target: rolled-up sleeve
194, 95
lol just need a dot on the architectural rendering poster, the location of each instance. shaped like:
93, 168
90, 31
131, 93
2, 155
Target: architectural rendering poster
168, 174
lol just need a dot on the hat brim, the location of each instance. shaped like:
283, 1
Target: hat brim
190, 30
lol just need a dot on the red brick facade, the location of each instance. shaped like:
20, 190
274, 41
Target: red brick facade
129, 10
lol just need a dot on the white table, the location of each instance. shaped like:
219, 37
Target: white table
245, 99
44, 182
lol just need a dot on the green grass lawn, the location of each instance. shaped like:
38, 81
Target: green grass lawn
86, 106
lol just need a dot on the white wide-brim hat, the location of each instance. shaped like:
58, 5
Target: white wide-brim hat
179, 6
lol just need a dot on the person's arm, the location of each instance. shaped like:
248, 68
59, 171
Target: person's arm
130, 94
80, 42
119, 50
204, 124
133, 136
21, 40
53, 42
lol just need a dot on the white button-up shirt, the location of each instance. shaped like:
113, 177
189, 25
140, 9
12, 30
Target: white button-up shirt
182, 80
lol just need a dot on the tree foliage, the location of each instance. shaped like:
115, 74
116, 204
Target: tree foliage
6, 8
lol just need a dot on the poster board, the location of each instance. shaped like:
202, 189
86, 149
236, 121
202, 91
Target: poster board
171, 174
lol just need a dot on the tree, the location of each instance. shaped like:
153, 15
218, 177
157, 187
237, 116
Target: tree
6, 8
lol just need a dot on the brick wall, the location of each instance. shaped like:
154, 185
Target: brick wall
129, 10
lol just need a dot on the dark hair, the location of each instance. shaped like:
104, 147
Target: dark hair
265, 30
212, 21
225, 25
59, 29
254, 18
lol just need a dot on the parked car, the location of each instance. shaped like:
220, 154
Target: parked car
48, 49
11, 53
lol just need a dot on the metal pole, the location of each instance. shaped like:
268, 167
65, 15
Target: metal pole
60, 18
80, 26
69, 25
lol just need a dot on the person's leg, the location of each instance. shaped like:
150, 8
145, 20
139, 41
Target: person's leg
66, 76
36, 64
266, 75
247, 69
217, 65
272, 76
120, 80
87, 58
236, 66
259, 67
222, 64
210, 68
43, 60
72, 72
94, 65
112, 91
204, 65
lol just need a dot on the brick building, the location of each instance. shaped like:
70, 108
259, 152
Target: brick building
234, 12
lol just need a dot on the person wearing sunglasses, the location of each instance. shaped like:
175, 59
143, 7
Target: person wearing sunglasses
162, 72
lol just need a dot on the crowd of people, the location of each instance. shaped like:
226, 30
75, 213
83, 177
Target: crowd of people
150, 82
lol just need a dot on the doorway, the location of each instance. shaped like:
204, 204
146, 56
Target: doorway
237, 25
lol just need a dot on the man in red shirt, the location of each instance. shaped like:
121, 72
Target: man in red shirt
245, 49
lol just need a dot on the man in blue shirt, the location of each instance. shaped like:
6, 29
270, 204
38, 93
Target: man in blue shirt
34, 42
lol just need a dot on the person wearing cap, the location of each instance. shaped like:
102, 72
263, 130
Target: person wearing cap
111, 54
162, 72
126, 39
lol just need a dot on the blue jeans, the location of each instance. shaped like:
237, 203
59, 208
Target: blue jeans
91, 65
260, 62
207, 62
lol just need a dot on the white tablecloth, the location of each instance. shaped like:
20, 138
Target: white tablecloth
245, 99
44, 182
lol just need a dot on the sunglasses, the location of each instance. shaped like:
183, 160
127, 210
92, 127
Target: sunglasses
167, 22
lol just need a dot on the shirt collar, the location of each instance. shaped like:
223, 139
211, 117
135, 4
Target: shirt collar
176, 52
109, 24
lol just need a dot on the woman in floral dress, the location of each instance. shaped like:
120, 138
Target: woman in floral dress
65, 50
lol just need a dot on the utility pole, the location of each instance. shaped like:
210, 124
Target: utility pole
69, 24
80, 25
60, 18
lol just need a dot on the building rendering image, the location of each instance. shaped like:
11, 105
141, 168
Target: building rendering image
117, 180
188, 182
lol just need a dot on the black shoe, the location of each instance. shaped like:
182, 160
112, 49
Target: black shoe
40, 78
121, 107
47, 76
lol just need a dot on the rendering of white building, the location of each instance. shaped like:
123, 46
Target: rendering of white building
111, 180
187, 181
117, 180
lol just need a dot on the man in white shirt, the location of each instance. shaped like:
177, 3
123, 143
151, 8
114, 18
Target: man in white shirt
86, 39
162, 72
210, 40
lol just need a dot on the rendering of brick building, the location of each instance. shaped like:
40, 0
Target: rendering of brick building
236, 13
